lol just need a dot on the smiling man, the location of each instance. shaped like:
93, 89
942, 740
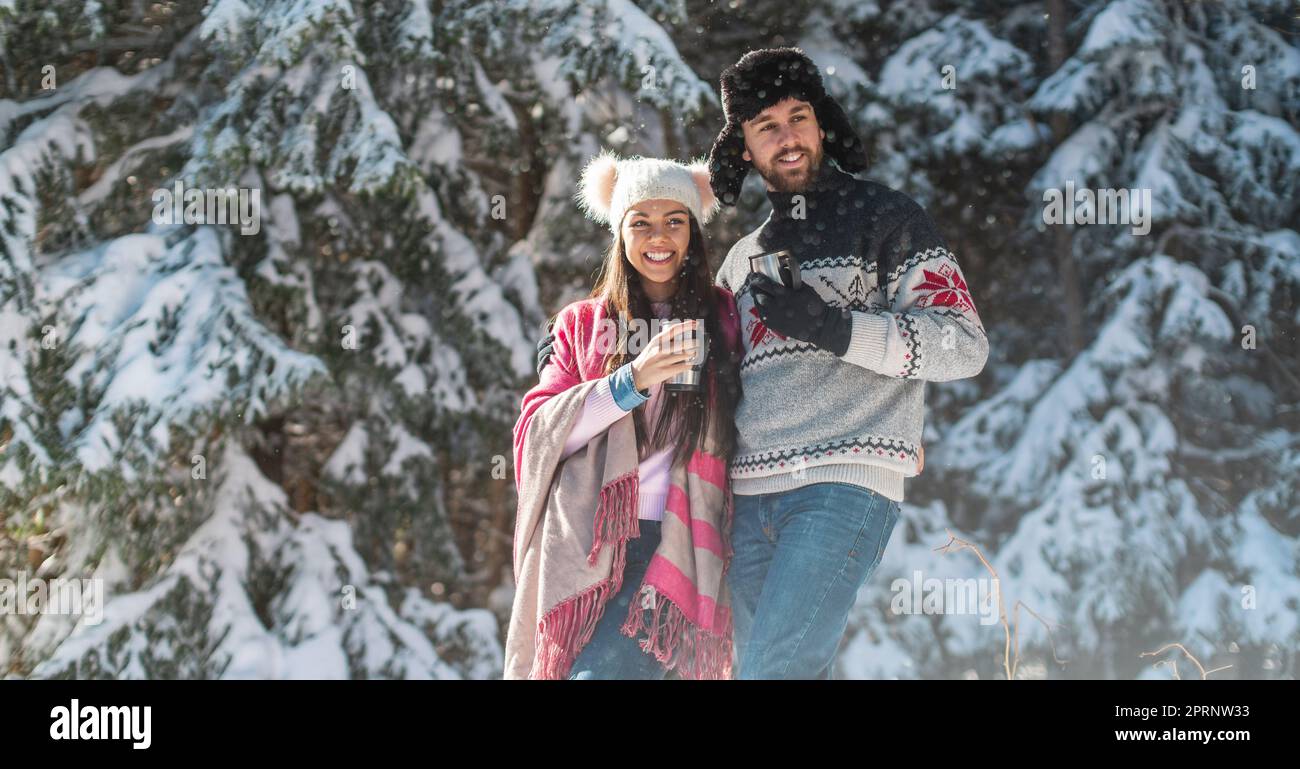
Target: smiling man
833, 373
789, 160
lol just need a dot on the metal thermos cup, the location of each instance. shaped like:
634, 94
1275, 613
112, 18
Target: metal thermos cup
690, 380
770, 264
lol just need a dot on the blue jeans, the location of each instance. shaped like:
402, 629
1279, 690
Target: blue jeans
800, 557
610, 654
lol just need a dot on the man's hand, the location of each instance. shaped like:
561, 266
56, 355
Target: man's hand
801, 314
545, 349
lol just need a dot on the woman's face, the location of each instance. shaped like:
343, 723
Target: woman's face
656, 234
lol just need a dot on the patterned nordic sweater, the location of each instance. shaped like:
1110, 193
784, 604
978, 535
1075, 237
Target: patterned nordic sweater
809, 416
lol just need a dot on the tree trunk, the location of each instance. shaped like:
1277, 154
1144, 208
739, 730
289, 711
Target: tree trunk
1063, 239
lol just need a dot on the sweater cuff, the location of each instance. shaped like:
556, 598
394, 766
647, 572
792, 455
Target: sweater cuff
624, 389
601, 403
867, 344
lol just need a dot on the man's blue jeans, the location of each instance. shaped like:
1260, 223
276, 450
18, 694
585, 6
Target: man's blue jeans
799, 558
610, 654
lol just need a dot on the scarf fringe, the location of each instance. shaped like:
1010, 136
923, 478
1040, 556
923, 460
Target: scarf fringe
565, 629
675, 641
568, 626
616, 515
671, 637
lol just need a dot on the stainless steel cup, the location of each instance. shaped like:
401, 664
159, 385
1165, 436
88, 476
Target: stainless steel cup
770, 264
690, 380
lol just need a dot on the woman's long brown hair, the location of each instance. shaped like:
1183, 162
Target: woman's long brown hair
682, 418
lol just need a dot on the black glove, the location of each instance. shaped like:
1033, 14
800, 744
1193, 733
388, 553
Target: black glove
545, 349
802, 314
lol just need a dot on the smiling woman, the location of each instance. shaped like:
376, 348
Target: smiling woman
656, 235
650, 507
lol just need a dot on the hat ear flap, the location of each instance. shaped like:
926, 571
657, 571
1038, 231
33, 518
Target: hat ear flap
727, 165
708, 201
841, 142
596, 189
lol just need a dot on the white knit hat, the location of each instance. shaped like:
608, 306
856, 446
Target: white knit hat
611, 186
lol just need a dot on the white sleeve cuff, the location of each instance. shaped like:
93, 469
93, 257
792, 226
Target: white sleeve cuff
602, 404
869, 340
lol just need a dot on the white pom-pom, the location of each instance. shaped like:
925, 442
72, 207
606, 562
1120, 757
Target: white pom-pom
596, 190
708, 201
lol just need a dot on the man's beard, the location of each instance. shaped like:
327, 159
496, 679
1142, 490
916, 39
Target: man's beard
783, 181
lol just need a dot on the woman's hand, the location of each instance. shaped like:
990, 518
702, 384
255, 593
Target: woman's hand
665, 356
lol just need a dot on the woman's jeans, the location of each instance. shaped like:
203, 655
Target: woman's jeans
800, 557
609, 653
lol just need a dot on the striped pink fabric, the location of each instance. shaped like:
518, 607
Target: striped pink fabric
681, 611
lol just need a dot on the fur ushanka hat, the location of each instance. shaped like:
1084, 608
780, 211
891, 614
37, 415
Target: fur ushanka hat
760, 79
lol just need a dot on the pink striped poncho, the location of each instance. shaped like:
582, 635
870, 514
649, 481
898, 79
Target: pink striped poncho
575, 517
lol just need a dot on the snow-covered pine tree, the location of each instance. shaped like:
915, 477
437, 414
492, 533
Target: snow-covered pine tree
287, 453
244, 435
579, 77
417, 163
1141, 492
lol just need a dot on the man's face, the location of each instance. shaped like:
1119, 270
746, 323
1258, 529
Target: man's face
784, 143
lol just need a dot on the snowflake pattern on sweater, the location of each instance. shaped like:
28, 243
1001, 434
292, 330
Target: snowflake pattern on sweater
805, 408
